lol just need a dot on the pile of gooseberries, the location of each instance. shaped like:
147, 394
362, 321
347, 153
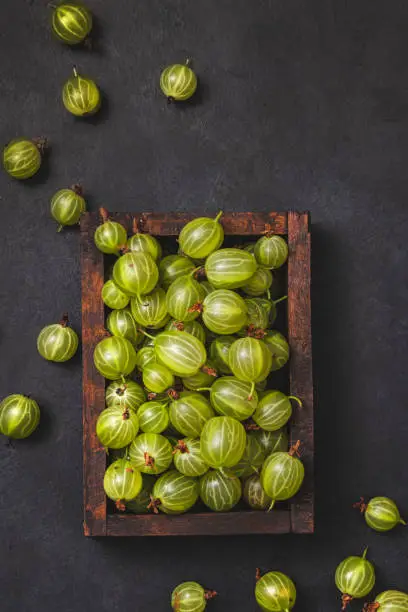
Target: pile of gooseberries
190, 356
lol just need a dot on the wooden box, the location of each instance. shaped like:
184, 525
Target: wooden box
298, 515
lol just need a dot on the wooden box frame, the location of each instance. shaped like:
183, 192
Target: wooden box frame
299, 517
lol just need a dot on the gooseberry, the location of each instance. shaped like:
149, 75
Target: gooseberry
271, 251
282, 475
71, 22
178, 82
81, 96
190, 597
275, 592
355, 578
58, 342
122, 482
201, 236
67, 206
19, 416
223, 441
220, 490
115, 357
224, 312
174, 493
116, 427
22, 158
381, 513
151, 453
110, 236
188, 459
230, 268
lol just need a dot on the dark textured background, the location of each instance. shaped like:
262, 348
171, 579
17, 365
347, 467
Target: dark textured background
302, 105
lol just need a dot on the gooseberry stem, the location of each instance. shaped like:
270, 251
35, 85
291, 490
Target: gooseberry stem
251, 393
41, 144
271, 505
121, 390
181, 446
104, 214
402, 521
172, 395
296, 399
74, 70
294, 450
209, 371
64, 321
144, 332
204, 389
345, 600
76, 188
268, 294
154, 504
364, 553
218, 217
120, 505
361, 505
188, 61
281, 299
60, 228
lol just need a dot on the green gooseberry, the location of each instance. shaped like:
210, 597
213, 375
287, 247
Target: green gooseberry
201, 237
259, 284
121, 323
71, 22
275, 592
58, 342
278, 347
157, 378
67, 206
190, 597
19, 416
110, 237
254, 494
153, 417
271, 251
188, 459
114, 297
145, 243
355, 578
22, 158
274, 410
178, 82
381, 513
81, 96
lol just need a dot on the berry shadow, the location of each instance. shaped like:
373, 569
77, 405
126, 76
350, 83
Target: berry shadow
101, 116
200, 97
93, 43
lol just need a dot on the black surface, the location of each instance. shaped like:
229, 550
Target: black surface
302, 105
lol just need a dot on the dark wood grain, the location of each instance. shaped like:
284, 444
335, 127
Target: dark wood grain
228, 523
300, 517
239, 224
92, 274
301, 380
